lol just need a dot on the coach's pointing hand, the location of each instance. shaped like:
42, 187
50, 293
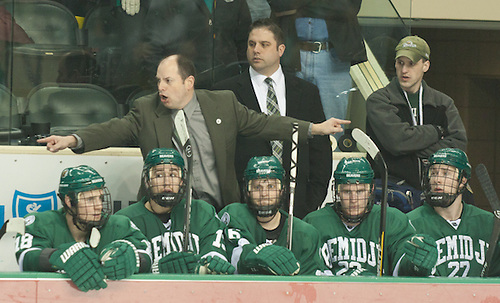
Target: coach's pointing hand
329, 127
57, 143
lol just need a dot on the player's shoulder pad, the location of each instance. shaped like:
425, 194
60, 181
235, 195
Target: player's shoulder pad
201, 206
312, 216
303, 227
45, 217
119, 221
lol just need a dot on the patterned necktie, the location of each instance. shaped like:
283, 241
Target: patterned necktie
273, 109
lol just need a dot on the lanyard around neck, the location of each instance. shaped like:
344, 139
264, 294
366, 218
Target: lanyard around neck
420, 106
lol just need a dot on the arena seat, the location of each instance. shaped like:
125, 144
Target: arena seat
10, 119
45, 21
55, 34
70, 106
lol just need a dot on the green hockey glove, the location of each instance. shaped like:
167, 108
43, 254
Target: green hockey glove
81, 264
215, 265
421, 251
273, 259
184, 262
119, 259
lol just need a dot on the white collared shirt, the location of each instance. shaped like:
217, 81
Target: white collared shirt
260, 87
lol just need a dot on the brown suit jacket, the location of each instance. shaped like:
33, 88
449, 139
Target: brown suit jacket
149, 124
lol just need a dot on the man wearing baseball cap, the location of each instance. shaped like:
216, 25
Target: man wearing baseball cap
409, 120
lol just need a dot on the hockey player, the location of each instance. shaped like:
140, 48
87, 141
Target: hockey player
350, 229
462, 231
257, 231
83, 239
160, 216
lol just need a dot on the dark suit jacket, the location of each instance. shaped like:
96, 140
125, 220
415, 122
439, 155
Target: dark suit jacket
314, 155
149, 124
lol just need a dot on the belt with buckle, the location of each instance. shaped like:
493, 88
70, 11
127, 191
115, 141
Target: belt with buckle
315, 46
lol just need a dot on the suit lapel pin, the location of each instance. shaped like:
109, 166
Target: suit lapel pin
218, 121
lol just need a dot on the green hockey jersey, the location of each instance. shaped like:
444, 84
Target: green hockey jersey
244, 233
461, 250
206, 230
344, 249
49, 229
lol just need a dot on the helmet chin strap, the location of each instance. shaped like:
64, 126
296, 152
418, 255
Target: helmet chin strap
266, 221
87, 226
166, 199
442, 199
352, 219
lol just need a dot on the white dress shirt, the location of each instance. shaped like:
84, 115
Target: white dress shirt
260, 87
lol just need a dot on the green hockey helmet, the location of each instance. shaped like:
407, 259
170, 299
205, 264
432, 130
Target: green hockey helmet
453, 157
159, 156
353, 171
81, 179
78, 179
264, 167
163, 156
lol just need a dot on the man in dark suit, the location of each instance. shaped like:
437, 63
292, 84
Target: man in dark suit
214, 119
296, 98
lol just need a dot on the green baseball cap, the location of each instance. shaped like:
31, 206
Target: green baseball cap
414, 48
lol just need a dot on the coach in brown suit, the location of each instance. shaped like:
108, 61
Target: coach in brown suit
214, 120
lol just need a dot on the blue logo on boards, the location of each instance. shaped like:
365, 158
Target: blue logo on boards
24, 203
2, 215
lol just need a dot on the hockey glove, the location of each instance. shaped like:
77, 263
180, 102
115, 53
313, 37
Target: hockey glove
215, 265
421, 251
273, 259
81, 264
119, 259
179, 263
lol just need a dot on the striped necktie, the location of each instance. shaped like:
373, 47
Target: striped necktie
273, 109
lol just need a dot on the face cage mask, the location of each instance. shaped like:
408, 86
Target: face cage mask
443, 200
165, 199
85, 225
337, 206
264, 211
